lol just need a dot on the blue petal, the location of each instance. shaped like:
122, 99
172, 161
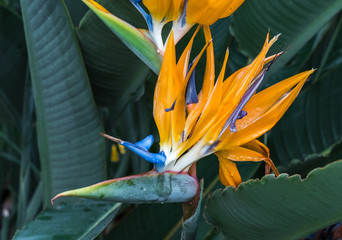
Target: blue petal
147, 17
155, 158
242, 114
238, 113
183, 17
249, 93
171, 108
190, 93
146, 143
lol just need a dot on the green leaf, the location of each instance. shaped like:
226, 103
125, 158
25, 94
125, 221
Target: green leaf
143, 188
147, 221
70, 146
132, 37
297, 20
90, 217
279, 208
115, 72
77, 10
13, 60
312, 125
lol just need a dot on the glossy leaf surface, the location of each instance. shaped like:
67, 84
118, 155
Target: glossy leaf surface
68, 124
297, 20
54, 223
300, 207
311, 130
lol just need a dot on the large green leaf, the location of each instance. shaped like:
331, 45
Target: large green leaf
90, 217
13, 61
70, 146
115, 72
77, 10
312, 127
279, 208
68, 124
297, 20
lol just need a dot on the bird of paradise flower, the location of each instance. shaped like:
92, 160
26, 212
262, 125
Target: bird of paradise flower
226, 117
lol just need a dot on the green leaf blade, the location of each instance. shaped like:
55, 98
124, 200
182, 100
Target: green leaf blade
90, 217
71, 148
297, 20
315, 123
294, 208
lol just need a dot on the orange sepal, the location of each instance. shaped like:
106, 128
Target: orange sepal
165, 94
178, 114
228, 173
265, 109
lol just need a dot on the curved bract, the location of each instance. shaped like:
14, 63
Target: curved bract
148, 187
132, 37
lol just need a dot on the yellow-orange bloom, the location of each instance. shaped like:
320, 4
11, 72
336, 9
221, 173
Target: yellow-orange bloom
164, 9
228, 116
225, 118
206, 12
184, 14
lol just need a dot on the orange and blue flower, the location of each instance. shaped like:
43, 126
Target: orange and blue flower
226, 117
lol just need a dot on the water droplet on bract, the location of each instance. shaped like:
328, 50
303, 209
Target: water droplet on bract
186, 181
144, 189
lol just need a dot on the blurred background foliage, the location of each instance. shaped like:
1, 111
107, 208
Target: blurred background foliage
51, 117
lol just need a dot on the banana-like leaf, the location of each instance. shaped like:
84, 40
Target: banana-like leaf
70, 146
13, 60
297, 20
133, 38
143, 188
77, 10
89, 217
279, 208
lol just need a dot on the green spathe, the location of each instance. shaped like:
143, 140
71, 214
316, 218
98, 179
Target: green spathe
144, 188
132, 37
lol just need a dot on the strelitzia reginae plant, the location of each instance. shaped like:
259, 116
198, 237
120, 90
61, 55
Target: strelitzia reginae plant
224, 119
148, 45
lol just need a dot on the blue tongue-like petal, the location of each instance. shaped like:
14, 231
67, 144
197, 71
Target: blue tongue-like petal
155, 158
190, 93
238, 113
171, 108
141, 149
146, 143
183, 16
147, 17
